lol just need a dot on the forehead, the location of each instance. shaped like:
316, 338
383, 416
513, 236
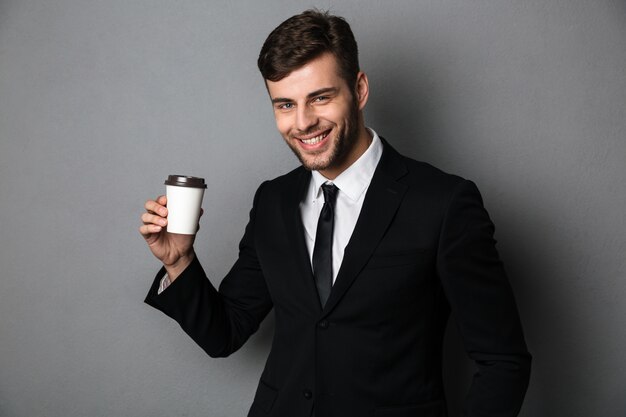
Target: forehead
321, 72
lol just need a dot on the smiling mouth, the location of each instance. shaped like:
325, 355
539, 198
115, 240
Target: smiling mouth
315, 139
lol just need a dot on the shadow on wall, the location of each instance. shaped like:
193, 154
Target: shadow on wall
408, 107
404, 108
559, 328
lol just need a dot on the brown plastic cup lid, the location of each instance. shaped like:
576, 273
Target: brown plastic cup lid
185, 181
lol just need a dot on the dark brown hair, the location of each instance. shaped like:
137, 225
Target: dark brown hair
304, 37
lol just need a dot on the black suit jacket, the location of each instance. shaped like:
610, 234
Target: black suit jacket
423, 245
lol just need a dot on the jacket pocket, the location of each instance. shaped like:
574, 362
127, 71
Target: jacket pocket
431, 409
264, 397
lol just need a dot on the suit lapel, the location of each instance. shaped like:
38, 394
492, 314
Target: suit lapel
382, 200
291, 199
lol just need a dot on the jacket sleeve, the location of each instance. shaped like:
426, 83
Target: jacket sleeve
219, 321
482, 301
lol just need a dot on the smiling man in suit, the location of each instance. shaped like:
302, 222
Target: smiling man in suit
361, 252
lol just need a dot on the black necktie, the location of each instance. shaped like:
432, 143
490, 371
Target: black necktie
323, 250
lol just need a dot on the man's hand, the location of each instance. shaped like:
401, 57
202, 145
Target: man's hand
174, 250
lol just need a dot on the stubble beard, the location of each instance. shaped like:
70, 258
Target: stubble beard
340, 148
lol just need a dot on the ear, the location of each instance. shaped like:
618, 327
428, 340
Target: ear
362, 89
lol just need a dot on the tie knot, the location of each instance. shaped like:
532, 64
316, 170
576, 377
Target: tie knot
330, 193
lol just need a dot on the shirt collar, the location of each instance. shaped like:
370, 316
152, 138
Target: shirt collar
355, 179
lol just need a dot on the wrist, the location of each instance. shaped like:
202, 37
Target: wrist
177, 268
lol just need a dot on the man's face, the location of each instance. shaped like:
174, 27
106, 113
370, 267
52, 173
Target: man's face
317, 114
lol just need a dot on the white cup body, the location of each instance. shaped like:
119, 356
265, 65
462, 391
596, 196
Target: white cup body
183, 209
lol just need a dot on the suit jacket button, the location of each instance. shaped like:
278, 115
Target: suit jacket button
323, 324
307, 394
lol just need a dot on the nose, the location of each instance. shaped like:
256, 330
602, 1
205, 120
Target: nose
305, 118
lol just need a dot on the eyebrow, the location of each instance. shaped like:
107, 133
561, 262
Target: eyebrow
312, 94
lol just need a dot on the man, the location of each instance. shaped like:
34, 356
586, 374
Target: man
361, 252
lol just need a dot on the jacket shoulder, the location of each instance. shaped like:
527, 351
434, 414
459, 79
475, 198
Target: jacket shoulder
430, 179
414, 173
291, 182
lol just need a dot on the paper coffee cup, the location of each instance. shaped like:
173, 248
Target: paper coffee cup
184, 199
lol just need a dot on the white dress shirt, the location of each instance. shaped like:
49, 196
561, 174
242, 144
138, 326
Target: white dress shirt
352, 184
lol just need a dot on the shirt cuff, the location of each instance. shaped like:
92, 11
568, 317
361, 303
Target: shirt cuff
165, 282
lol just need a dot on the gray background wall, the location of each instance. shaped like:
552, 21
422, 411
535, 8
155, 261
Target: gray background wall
100, 100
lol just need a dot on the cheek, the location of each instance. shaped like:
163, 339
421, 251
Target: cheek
282, 123
336, 114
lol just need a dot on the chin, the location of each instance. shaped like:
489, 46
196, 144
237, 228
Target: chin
315, 164
314, 161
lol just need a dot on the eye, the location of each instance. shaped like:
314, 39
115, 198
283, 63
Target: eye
320, 99
285, 106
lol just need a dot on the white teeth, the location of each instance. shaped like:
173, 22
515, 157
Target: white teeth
314, 140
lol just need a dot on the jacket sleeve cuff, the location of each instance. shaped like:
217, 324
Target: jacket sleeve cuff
160, 299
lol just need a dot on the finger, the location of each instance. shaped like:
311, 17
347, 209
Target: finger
148, 218
148, 229
162, 200
154, 207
